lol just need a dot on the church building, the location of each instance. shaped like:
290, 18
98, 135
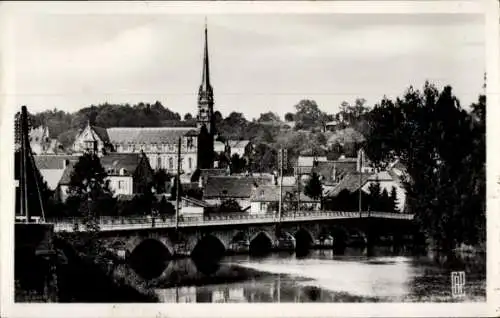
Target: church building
160, 144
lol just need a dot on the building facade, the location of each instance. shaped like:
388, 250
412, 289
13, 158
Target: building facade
160, 145
92, 139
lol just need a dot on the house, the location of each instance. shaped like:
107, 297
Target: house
191, 207
353, 181
127, 174
52, 167
92, 138
306, 163
160, 144
265, 197
332, 171
239, 188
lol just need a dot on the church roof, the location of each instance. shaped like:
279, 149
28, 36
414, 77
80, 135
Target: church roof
148, 135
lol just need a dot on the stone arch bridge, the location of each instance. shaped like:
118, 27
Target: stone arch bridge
208, 236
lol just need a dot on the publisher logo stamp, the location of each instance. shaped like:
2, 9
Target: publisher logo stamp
458, 284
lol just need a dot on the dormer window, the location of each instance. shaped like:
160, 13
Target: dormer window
122, 172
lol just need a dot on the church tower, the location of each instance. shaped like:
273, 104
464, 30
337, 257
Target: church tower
206, 94
205, 117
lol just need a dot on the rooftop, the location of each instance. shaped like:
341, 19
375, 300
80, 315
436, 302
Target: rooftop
52, 162
159, 135
351, 182
271, 193
232, 186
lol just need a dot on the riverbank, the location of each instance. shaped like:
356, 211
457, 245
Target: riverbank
82, 278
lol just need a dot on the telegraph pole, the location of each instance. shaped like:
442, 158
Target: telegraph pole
298, 187
24, 176
360, 179
177, 184
280, 206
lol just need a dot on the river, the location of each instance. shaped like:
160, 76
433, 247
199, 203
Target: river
320, 276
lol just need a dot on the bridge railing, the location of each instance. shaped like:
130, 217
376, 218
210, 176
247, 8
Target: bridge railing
139, 222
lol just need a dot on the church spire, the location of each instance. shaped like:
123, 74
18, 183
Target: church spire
205, 93
205, 80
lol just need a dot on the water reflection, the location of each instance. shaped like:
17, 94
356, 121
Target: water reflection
380, 274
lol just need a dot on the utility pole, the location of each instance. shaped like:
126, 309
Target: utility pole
280, 205
24, 176
360, 155
298, 187
177, 183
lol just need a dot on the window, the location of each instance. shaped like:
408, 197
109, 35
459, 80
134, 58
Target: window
158, 163
262, 206
171, 163
121, 185
190, 163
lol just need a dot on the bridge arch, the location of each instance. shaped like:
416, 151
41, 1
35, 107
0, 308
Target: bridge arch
357, 237
208, 247
339, 234
261, 243
149, 258
304, 239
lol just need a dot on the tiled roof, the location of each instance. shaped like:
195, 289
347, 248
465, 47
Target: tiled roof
307, 161
117, 161
46, 162
205, 173
350, 183
102, 133
382, 176
197, 202
233, 187
271, 193
148, 135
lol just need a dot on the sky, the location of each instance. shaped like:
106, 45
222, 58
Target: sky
259, 62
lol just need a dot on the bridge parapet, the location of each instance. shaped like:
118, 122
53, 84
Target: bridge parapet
134, 223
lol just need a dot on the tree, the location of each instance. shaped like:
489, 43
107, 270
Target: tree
385, 202
237, 164
309, 115
375, 196
165, 208
89, 189
289, 117
160, 179
188, 116
89, 195
268, 117
442, 147
314, 188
